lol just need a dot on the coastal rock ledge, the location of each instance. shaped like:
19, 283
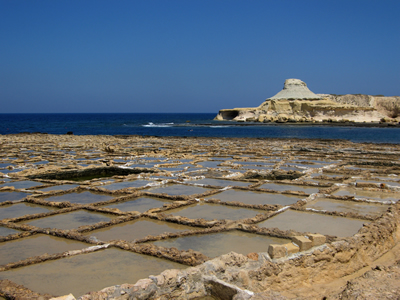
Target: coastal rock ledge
296, 103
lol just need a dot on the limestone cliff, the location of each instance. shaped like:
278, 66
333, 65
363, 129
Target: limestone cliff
296, 103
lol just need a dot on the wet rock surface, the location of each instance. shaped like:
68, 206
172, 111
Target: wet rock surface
81, 178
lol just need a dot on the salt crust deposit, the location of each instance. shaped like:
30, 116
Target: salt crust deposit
292, 270
297, 104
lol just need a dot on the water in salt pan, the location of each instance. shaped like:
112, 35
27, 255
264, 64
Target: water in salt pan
137, 229
216, 244
70, 220
4, 231
220, 158
361, 193
127, 184
220, 182
36, 245
12, 196
214, 211
141, 204
21, 209
348, 206
86, 197
63, 187
255, 163
25, 184
305, 165
314, 223
290, 187
389, 183
178, 189
88, 272
211, 164
250, 197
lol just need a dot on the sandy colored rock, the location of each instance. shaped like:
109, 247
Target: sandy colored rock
317, 239
276, 251
291, 248
303, 242
296, 103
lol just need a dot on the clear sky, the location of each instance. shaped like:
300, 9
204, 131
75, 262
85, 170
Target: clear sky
190, 55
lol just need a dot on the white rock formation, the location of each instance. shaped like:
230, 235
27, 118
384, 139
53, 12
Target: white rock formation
296, 103
295, 89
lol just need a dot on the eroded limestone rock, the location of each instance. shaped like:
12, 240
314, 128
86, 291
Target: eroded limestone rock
296, 103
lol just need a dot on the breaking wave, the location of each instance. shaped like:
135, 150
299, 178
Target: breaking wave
151, 124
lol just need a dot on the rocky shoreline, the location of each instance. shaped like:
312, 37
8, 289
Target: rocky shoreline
297, 104
355, 182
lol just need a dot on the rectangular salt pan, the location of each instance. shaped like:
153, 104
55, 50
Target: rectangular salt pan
22, 209
20, 249
70, 220
22, 184
140, 204
127, 184
348, 206
136, 229
290, 187
80, 198
4, 231
220, 182
88, 272
178, 189
12, 196
250, 197
216, 244
314, 223
374, 195
214, 211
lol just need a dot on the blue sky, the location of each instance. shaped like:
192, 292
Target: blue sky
190, 55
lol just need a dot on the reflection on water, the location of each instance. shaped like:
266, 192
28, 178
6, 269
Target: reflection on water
348, 206
179, 189
12, 196
314, 223
220, 182
136, 229
4, 231
250, 197
21, 209
81, 198
214, 211
21, 184
140, 204
360, 193
216, 244
88, 272
20, 249
289, 187
70, 220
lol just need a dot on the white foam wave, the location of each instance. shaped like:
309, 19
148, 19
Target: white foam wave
151, 124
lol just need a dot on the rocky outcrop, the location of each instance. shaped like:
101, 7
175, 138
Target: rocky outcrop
295, 89
296, 103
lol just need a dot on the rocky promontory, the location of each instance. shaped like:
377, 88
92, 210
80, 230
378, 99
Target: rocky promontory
296, 103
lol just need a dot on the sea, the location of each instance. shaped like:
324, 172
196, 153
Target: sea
184, 124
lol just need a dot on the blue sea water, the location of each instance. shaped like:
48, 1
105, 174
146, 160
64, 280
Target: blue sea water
184, 124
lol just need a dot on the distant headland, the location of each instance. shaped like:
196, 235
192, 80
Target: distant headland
296, 103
